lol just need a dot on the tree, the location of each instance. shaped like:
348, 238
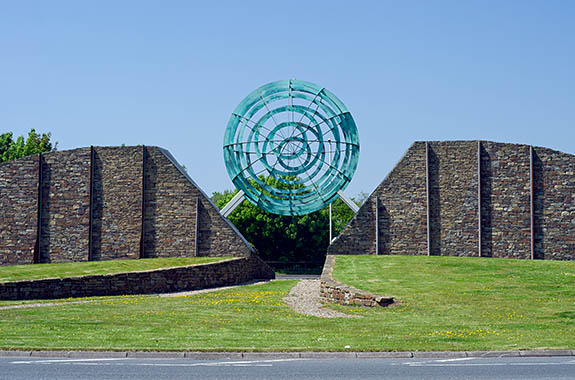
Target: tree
11, 149
218, 197
286, 238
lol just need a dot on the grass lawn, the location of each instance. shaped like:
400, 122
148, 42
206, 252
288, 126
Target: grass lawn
447, 304
40, 271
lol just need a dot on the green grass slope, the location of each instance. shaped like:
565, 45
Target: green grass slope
458, 303
41, 271
447, 304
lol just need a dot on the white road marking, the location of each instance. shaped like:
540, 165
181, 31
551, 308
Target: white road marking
452, 360
260, 361
66, 360
199, 365
437, 361
490, 364
243, 363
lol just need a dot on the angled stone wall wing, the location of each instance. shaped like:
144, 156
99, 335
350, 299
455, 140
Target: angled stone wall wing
470, 198
399, 203
102, 203
172, 202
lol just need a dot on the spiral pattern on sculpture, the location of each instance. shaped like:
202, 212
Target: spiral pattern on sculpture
291, 146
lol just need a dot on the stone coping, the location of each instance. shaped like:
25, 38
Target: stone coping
207, 355
336, 292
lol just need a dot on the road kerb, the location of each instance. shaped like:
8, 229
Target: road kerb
201, 355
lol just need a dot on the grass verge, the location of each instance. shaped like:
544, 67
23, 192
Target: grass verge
42, 271
447, 304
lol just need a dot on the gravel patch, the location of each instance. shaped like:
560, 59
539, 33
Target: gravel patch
303, 298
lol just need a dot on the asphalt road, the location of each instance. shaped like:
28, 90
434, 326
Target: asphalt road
279, 369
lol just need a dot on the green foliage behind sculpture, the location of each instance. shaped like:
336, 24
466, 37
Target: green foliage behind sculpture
11, 149
287, 238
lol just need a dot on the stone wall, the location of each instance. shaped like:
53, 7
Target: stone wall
18, 211
101, 203
505, 200
342, 294
65, 206
554, 174
173, 202
453, 198
460, 182
223, 273
170, 209
400, 203
116, 203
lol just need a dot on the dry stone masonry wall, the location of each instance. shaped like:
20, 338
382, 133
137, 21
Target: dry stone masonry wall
470, 198
224, 273
116, 203
453, 221
170, 210
554, 218
399, 203
18, 211
65, 206
101, 203
176, 211
335, 292
505, 200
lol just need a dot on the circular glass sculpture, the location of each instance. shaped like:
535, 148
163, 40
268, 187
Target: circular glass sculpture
291, 146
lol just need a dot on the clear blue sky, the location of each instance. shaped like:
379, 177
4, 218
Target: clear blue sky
169, 73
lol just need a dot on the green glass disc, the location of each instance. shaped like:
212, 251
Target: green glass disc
291, 146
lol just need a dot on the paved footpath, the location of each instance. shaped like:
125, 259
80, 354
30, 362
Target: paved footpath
280, 366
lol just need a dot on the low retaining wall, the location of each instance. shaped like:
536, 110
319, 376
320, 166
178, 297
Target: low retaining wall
336, 292
194, 277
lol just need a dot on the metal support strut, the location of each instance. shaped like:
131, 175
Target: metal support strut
351, 204
233, 204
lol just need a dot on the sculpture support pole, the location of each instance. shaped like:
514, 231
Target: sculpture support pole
233, 204
351, 204
330, 226
330, 220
